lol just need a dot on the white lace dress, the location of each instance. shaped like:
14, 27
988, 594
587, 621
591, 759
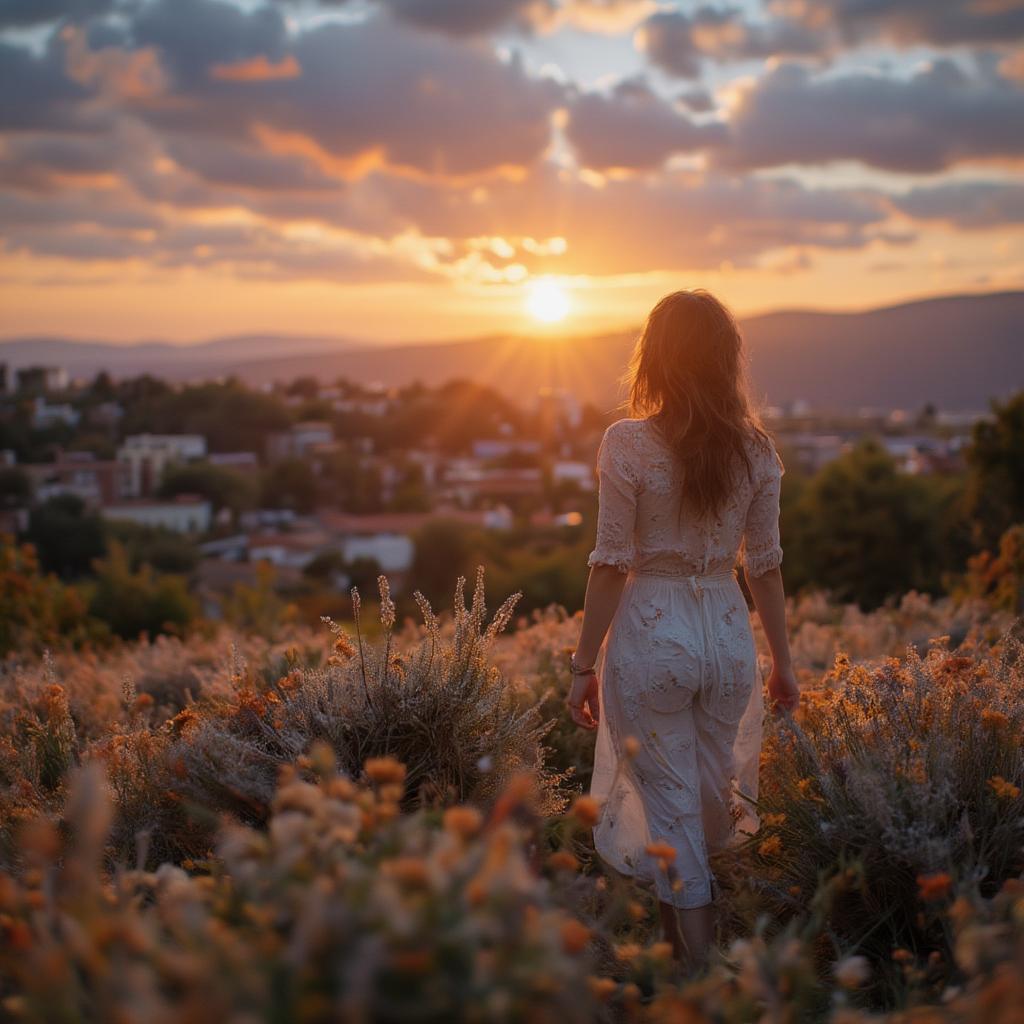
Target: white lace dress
678, 668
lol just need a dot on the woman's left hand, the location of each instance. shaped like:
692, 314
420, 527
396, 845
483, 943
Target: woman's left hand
583, 701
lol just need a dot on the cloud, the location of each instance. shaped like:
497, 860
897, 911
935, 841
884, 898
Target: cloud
193, 36
110, 70
699, 100
26, 13
673, 221
469, 17
678, 42
203, 133
938, 117
667, 40
633, 128
35, 93
464, 18
256, 69
968, 204
910, 22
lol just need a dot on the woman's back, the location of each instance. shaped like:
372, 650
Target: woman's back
640, 523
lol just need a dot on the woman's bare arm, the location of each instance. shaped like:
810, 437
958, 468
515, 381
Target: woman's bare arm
604, 591
770, 601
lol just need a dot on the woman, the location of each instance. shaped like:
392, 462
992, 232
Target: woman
675, 694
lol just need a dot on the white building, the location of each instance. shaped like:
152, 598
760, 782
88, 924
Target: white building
299, 440
44, 415
146, 457
580, 473
291, 550
499, 448
184, 514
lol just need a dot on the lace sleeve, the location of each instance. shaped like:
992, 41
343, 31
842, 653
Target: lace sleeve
616, 513
762, 550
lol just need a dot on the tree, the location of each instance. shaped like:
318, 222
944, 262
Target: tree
290, 483
222, 487
15, 487
995, 483
161, 549
443, 553
66, 536
37, 611
865, 531
132, 603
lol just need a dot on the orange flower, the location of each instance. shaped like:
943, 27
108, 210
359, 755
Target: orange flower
602, 988
586, 810
1003, 789
934, 887
343, 646
575, 936
384, 769
770, 847
774, 820
413, 961
662, 851
995, 720
464, 822
409, 871
563, 860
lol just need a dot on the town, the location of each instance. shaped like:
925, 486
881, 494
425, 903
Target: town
332, 484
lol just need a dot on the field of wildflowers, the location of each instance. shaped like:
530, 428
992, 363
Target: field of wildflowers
384, 821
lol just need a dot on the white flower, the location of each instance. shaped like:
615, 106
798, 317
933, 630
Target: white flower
852, 971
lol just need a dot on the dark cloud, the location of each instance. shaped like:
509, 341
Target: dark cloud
698, 100
460, 18
43, 163
938, 117
375, 150
667, 39
34, 91
633, 128
25, 13
968, 204
192, 36
908, 22
469, 17
678, 42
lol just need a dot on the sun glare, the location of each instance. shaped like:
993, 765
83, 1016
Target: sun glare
547, 301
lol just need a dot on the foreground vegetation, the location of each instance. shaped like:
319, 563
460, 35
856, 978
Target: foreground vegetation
334, 827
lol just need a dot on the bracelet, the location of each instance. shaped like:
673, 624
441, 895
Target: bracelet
576, 670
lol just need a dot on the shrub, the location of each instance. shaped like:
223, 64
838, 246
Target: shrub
133, 603
342, 909
899, 784
439, 706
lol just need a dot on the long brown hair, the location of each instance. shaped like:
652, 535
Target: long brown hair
687, 376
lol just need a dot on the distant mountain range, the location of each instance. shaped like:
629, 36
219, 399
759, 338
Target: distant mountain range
957, 352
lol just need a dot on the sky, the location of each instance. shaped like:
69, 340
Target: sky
419, 170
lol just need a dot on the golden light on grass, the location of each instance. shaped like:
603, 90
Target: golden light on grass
547, 301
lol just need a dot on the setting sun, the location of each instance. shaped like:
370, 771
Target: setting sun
547, 301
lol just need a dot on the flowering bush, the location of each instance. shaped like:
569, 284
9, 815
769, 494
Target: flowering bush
342, 908
245, 830
896, 785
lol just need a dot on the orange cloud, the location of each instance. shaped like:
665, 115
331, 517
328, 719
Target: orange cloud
118, 74
258, 69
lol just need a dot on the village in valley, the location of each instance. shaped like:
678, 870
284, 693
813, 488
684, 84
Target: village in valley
336, 483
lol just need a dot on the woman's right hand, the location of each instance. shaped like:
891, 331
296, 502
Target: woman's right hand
783, 689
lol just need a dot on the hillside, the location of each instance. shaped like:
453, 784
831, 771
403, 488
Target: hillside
955, 351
